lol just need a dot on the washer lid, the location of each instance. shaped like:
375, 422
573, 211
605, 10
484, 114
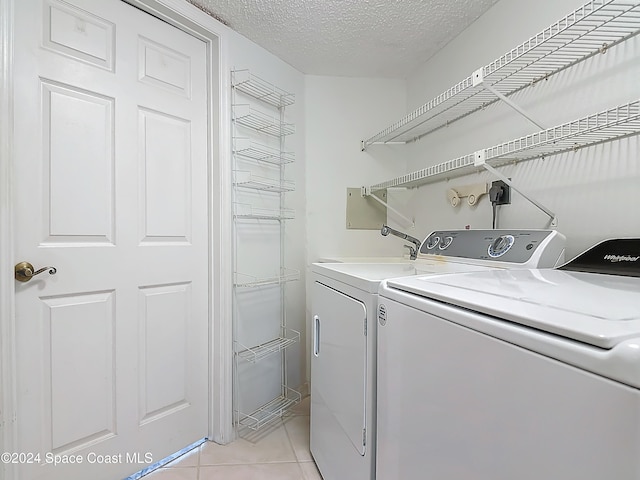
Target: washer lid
600, 310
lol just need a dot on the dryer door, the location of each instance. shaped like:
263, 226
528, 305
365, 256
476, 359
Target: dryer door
338, 366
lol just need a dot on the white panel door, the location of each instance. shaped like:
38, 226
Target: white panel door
111, 189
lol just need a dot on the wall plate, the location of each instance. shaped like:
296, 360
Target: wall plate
364, 213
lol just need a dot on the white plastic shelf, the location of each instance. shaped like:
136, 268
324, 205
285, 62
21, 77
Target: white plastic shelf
246, 179
244, 147
270, 411
246, 280
612, 124
258, 352
261, 122
593, 28
256, 87
249, 212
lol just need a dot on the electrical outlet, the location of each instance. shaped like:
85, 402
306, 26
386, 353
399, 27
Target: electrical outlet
505, 198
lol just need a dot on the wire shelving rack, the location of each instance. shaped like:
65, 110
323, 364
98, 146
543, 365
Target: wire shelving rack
591, 29
250, 148
605, 126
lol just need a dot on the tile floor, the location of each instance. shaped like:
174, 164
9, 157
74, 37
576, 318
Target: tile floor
279, 451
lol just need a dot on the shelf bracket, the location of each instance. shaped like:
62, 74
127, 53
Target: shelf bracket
480, 161
363, 145
478, 79
366, 192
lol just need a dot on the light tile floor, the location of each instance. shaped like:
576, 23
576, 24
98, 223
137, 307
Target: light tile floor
276, 452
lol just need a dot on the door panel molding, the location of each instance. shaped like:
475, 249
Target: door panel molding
94, 43
195, 22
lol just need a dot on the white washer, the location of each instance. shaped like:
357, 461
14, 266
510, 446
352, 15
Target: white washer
502, 375
343, 360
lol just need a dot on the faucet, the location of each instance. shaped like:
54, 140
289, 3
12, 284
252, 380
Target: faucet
413, 251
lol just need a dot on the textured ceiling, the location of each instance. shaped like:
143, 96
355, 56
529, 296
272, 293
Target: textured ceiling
369, 38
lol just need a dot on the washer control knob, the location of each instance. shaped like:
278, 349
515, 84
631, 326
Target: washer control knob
445, 242
501, 245
432, 242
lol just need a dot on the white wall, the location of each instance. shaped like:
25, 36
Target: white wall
340, 112
594, 191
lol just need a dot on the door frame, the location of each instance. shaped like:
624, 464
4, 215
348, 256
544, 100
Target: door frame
195, 22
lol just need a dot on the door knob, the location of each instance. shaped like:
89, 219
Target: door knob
24, 271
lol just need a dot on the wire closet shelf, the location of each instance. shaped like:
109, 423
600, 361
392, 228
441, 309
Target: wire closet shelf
254, 86
605, 126
591, 29
270, 411
246, 280
249, 117
247, 179
256, 353
249, 212
245, 148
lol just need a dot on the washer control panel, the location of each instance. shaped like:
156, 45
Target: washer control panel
512, 246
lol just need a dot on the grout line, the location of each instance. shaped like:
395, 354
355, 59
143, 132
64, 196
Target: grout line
198, 462
278, 462
293, 450
304, 477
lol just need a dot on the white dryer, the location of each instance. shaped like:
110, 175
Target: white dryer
502, 375
343, 360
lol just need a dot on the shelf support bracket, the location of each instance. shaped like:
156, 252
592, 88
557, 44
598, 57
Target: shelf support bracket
480, 161
478, 79
366, 192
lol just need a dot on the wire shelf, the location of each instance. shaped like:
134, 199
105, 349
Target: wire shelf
260, 89
605, 126
247, 211
449, 169
591, 29
244, 147
245, 280
248, 117
258, 352
246, 179
601, 127
270, 411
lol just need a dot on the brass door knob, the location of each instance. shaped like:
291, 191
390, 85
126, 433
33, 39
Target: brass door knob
24, 271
